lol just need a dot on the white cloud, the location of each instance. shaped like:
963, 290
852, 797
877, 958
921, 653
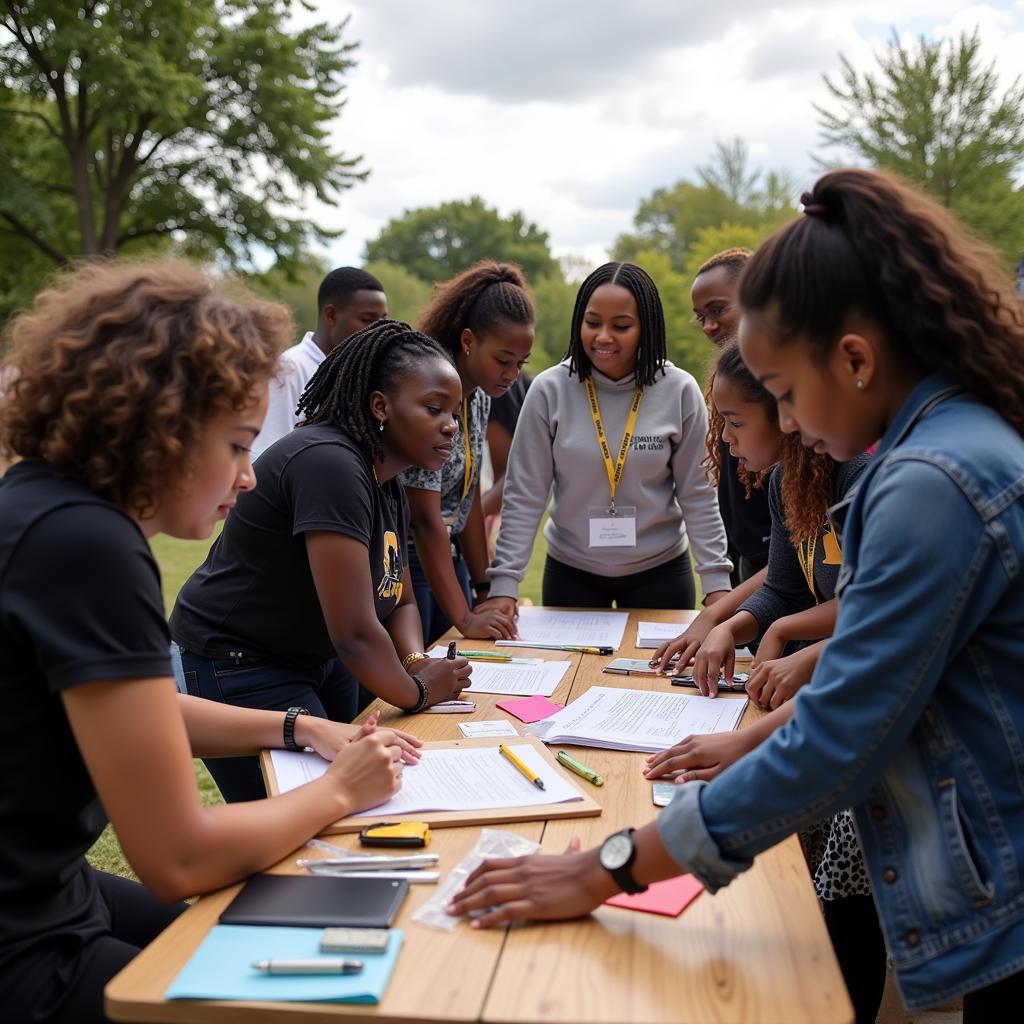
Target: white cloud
573, 112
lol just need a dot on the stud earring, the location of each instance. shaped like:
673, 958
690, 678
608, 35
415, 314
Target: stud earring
860, 384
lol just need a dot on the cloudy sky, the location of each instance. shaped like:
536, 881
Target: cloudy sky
574, 110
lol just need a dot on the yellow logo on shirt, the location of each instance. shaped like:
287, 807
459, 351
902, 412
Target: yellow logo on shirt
830, 544
391, 584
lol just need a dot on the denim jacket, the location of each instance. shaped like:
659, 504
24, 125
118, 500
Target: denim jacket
915, 714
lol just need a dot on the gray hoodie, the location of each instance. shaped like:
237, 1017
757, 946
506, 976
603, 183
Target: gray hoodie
555, 452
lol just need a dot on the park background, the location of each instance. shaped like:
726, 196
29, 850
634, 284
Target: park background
276, 139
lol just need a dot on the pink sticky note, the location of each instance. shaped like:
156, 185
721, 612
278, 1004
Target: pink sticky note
530, 709
669, 898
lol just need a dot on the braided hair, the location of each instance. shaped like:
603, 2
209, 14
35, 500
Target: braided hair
480, 297
651, 352
371, 360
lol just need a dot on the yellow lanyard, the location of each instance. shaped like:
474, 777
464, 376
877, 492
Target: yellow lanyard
805, 552
614, 471
467, 469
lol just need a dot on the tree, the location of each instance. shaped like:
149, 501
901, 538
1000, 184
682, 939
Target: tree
407, 294
132, 122
553, 298
727, 193
435, 243
933, 113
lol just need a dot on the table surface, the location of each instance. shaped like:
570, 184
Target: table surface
756, 952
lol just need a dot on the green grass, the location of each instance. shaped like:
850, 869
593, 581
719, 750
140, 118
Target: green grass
177, 560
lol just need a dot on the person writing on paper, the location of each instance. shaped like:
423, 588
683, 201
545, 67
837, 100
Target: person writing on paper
484, 320
742, 501
876, 315
306, 592
614, 434
139, 389
793, 600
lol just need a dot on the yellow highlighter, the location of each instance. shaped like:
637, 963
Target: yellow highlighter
580, 769
520, 766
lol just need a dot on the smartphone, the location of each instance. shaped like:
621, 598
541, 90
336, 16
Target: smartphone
662, 793
738, 684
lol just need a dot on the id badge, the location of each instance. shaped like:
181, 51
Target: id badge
612, 527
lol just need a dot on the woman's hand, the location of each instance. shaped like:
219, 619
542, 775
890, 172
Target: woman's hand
716, 657
685, 645
327, 738
369, 769
540, 887
700, 757
508, 606
444, 678
774, 682
488, 623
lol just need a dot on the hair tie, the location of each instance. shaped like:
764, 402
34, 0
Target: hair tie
813, 207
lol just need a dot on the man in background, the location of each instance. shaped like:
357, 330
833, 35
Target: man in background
349, 299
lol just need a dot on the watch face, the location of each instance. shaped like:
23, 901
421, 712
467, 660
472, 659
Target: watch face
616, 851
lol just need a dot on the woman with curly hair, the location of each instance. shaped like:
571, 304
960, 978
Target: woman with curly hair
875, 315
136, 393
484, 319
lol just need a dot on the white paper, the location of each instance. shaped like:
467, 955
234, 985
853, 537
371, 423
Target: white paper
500, 727
638, 719
650, 635
579, 629
518, 680
472, 779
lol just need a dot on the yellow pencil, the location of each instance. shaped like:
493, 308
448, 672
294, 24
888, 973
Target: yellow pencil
520, 767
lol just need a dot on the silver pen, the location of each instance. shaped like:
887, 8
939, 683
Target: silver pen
309, 965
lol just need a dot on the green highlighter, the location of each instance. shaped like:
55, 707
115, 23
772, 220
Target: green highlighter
580, 769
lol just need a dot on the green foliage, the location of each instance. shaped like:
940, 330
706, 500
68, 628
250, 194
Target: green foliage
933, 113
710, 241
407, 294
295, 287
435, 243
130, 122
553, 298
727, 193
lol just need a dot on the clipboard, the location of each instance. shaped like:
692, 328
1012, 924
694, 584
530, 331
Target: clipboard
588, 807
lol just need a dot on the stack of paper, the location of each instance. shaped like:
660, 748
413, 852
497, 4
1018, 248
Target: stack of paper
576, 629
459, 779
513, 678
638, 719
650, 635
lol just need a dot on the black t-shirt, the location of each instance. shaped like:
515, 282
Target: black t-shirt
79, 602
255, 591
748, 521
506, 409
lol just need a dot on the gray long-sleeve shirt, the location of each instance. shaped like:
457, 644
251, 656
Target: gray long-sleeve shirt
555, 452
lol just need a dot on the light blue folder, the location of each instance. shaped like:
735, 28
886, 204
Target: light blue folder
221, 968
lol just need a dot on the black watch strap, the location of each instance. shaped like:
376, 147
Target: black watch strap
289, 728
623, 875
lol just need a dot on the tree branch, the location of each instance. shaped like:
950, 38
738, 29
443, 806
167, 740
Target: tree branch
38, 116
19, 228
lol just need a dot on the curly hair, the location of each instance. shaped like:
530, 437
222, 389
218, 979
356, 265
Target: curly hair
117, 367
652, 351
871, 245
373, 359
734, 260
730, 366
480, 297
807, 483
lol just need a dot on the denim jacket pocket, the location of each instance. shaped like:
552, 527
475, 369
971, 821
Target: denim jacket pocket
968, 861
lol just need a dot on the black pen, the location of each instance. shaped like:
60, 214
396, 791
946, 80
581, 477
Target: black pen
452, 651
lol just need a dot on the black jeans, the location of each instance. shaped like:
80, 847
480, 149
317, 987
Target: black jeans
665, 586
63, 983
328, 691
856, 936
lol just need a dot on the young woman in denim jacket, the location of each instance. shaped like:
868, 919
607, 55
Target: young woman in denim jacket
872, 316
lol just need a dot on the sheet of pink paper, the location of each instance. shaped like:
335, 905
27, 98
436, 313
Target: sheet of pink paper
530, 709
669, 898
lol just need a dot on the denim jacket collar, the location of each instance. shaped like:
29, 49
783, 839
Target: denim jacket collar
935, 388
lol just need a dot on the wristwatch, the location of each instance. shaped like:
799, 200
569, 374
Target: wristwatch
616, 856
289, 728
